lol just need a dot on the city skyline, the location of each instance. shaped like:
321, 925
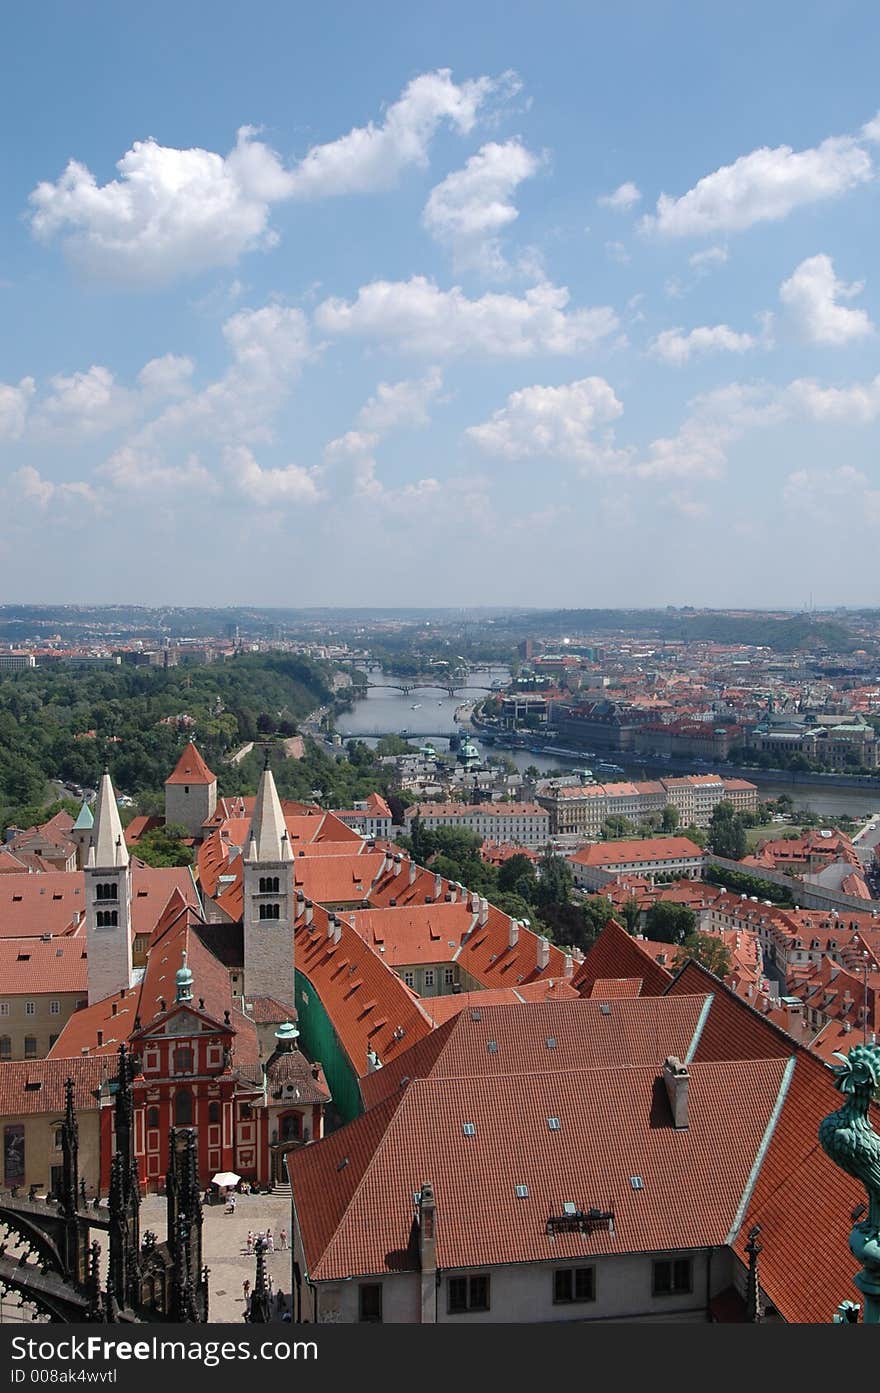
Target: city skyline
519, 308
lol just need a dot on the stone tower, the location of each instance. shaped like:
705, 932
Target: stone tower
191, 792
269, 904
107, 875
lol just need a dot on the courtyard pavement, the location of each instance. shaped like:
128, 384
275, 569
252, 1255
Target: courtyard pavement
224, 1247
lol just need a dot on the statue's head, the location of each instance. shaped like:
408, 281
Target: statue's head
859, 1071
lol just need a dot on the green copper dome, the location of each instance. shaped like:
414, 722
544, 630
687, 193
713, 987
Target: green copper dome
184, 981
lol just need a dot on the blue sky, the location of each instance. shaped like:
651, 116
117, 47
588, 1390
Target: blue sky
558, 304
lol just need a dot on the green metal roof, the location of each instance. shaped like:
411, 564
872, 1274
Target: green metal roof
85, 821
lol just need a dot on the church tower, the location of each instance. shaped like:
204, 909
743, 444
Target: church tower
269, 903
191, 792
107, 876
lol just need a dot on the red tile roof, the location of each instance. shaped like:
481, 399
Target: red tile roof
191, 769
17, 1099
802, 1201
495, 1040
646, 850
34, 966
353, 1190
616, 954
442, 1008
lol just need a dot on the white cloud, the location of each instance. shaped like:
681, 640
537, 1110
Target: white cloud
424, 319
41, 492
763, 186
675, 346
858, 404
555, 422
712, 256
14, 404
292, 484
86, 403
269, 347
132, 470
623, 198
372, 157
400, 403
178, 212
616, 251
811, 296
469, 210
168, 376
843, 490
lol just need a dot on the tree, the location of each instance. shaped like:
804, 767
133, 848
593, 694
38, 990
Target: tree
727, 836
631, 915
518, 876
555, 880
708, 950
667, 922
669, 821
163, 846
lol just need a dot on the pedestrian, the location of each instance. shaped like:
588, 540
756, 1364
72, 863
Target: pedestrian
270, 1240
283, 1236
246, 1288
250, 1242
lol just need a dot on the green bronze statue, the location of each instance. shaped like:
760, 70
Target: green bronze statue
848, 1137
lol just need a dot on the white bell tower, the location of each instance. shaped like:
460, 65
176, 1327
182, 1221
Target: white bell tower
107, 875
269, 902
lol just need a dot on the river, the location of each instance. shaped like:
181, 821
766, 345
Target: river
428, 714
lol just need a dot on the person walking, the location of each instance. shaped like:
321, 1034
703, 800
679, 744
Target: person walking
283, 1237
246, 1288
250, 1241
270, 1240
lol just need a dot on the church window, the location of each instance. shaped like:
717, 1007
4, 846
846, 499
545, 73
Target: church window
213, 1112
269, 884
183, 1059
291, 1126
183, 1108
152, 1117
107, 892
270, 911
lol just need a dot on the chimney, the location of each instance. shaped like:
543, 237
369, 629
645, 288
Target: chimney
300, 904
513, 934
337, 930
484, 911
438, 886
310, 910
331, 924
543, 953
398, 863
676, 1077
412, 871
427, 1212
568, 970
475, 902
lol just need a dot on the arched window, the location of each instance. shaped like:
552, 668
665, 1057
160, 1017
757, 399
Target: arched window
183, 1108
152, 1117
107, 892
107, 918
213, 1112
291, 1126
269, 884
270, 911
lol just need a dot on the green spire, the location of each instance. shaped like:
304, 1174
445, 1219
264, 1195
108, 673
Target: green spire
184, 981
85, 821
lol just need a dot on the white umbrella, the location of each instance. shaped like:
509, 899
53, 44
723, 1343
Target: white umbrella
226, 1178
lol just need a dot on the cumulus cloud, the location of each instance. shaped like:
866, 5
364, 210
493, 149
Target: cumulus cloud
421, 318
292, 484
400, 403
14, 404
763, 186
811, 296
175, 212
34, 489
134, 470
859, 403
843, 489
711, 256
86, 403
469, 210
554, 421
623, 198
169, 376
675, 346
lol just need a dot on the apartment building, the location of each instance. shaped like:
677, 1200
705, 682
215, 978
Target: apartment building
525, 823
